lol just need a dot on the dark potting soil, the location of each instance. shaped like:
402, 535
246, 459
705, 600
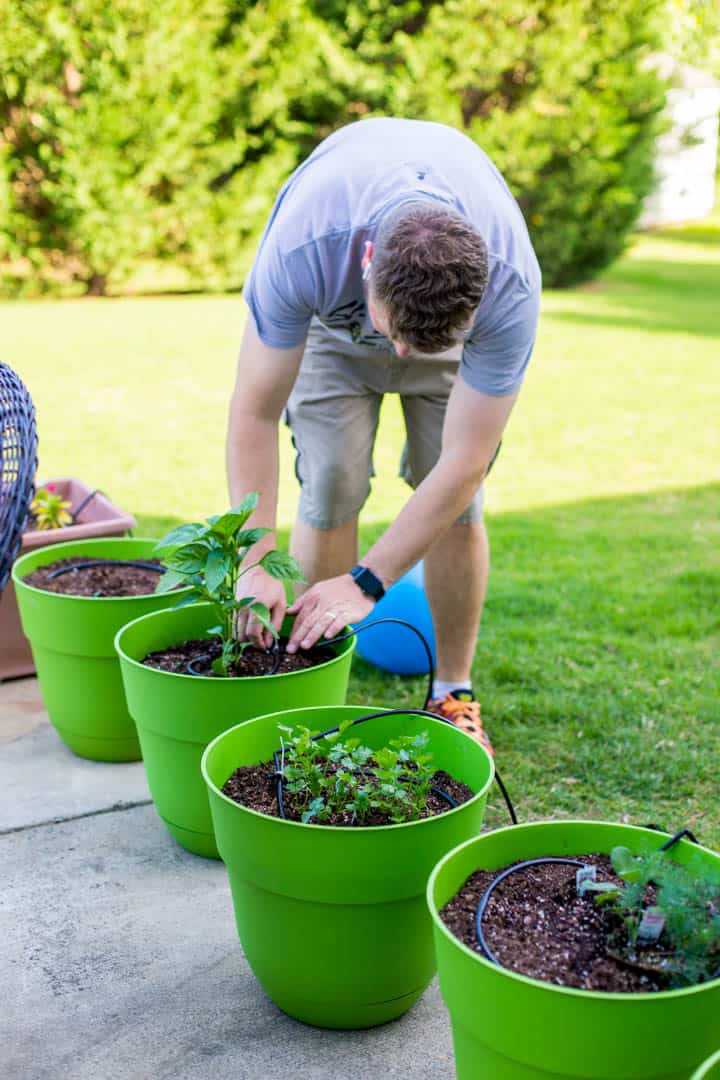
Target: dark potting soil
255, 786
252, 662
111, 578
535, 923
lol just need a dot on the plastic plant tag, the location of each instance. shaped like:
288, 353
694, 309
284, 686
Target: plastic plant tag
584, 875
651, 926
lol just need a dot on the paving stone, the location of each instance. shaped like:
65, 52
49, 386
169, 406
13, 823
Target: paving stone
121, 962
40, 779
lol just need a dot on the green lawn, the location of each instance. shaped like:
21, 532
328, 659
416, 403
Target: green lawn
598, 660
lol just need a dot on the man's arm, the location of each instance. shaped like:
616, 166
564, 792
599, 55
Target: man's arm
265, 377
474, 423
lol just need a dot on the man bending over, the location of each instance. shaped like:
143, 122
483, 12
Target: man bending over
395, 260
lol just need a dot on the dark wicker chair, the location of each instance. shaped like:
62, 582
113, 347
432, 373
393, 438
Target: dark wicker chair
18, 464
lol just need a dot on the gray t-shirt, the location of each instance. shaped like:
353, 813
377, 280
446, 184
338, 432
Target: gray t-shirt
308, 261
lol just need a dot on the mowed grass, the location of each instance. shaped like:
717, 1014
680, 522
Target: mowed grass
597, 663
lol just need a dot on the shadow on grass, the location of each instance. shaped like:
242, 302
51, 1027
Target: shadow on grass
661, 296
705, 233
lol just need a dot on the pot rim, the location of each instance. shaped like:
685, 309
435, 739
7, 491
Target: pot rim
340, 829
345, 648
705, 1066
55, 551
600, 995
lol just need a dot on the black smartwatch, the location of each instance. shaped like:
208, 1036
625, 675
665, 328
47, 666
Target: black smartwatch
370, 583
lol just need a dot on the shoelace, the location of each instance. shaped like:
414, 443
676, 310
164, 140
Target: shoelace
464, 714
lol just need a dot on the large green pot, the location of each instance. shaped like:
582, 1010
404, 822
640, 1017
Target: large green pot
178, 715
709, 1070
333, 920
510, 1027
72, 643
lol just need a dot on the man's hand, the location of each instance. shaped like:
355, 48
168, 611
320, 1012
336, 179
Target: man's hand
269, 591
326, 609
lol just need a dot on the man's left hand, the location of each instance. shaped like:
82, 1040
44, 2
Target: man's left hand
325, 610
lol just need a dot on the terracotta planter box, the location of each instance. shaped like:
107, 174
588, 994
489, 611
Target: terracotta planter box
99, 518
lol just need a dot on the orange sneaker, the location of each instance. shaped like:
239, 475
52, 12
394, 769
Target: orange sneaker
462, 710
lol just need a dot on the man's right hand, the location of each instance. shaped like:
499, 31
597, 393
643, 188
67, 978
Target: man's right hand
269, 591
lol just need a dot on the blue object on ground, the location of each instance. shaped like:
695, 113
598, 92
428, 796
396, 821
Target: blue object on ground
394, 648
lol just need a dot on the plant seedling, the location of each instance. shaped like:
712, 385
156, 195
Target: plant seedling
49, 510
208, 557
683, 918
341, 777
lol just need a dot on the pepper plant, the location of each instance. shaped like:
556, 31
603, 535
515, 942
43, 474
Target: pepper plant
686, 906
209, 558
339, 776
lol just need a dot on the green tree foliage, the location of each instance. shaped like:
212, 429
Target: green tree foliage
132, 132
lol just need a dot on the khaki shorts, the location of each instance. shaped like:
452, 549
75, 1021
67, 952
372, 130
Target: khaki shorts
333, 414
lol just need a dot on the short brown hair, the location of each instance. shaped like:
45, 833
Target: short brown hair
429, 272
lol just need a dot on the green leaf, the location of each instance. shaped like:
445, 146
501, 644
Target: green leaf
607, 897
190, 598
169, 580
190, 559
625, 864
605, 887
217, 569
281, 566
235, 605
248, 537
183, 534
263, 615
229, 523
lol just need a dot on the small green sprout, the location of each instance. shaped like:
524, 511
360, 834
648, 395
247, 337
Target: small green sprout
686, 908
339, 776
209, 559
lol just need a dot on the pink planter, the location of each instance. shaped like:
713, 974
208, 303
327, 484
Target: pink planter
99, 517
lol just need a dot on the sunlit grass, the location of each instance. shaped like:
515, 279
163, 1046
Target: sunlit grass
598, 659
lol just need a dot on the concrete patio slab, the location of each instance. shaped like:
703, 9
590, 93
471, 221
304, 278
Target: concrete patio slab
121, 962
40, 779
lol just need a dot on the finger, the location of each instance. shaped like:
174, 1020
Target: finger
336, 626
240, 626
311, 635
255, 632
277, 617
303, 623
317, 629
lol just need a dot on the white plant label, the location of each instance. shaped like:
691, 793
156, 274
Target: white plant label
585, 874
651, 925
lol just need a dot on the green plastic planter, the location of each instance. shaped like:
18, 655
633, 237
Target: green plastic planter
333, 920
509, 1027
72, 639
709, 1070
178, 715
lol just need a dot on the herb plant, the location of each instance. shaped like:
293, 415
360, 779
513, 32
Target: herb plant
49, 510
209, 559
339, 777
686, 902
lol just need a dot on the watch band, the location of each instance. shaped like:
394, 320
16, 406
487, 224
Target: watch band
370, 583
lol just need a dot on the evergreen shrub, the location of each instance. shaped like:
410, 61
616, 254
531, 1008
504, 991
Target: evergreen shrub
134, 133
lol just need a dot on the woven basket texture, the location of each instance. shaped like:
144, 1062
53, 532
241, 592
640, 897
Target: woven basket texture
18, 465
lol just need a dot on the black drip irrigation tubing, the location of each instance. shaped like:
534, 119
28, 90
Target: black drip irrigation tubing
88, 498
487, 951
358, 720
275, 648
105, 562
